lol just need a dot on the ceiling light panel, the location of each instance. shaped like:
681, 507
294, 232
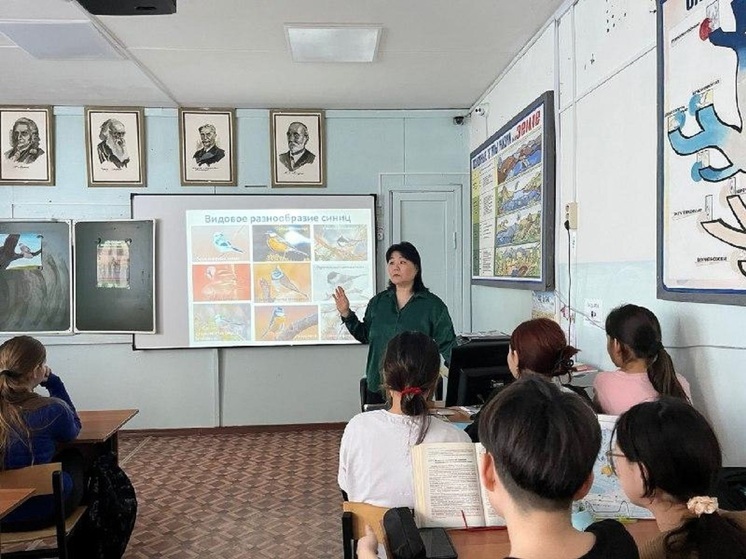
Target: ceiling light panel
333, 43
60, 40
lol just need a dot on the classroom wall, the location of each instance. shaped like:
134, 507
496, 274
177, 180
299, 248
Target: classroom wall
246, 386
604, 69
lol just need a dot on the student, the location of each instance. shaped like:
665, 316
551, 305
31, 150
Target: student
541, 445
645, 370
538, 346
667, 458
31, 426
375, 463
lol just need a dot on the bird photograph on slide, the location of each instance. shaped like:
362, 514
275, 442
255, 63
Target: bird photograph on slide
222, 322
282, 282
221, 243
282, 243
221, 282
284, 323
341, 243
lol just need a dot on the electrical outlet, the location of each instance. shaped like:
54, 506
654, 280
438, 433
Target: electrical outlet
571, 215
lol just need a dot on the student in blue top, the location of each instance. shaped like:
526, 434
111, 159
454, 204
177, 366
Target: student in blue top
32, 425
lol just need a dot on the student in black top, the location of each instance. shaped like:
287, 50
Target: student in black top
541, 445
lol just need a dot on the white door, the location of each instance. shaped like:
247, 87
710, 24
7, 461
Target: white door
430, 219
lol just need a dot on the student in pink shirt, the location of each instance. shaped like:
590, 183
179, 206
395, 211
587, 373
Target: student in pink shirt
645, 370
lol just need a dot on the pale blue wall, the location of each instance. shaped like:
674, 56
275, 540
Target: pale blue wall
203, 387
605, 95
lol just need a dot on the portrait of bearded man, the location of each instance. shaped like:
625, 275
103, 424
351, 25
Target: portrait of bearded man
113, 147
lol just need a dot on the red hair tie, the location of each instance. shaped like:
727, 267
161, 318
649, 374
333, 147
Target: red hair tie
411, 390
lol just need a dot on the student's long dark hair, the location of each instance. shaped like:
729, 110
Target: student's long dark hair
638, 331
679, 454
542, 348
408, 251
412, 365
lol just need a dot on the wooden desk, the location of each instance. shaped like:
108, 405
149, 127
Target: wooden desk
100, 429
489, 544
11, 498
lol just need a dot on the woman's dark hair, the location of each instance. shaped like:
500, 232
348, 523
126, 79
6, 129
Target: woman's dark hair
412, 361
638, 331
679, 454
408, 251
543, 441
542, 348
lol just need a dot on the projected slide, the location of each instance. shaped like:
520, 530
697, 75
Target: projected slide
266, 276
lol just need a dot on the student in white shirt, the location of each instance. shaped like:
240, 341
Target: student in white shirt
375, 462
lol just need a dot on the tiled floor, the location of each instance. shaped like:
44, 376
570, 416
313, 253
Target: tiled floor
263, 495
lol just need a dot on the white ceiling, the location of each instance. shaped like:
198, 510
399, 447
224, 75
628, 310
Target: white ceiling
233, 53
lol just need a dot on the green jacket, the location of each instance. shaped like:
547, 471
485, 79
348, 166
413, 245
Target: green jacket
424, 312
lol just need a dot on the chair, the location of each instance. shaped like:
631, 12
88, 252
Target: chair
45, 479
354, 518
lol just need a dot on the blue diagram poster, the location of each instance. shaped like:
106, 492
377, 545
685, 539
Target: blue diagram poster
512, 202
702, 150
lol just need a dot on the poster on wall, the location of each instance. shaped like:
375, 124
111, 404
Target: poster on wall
512, 201
702, 151
35, 277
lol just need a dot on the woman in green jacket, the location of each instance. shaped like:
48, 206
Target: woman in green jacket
405, 305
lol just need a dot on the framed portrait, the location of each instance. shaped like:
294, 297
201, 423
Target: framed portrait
115, 146
26, 145
512, 201
207, 147
298, 157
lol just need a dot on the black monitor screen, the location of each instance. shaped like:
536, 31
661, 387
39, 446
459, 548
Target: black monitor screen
476, 367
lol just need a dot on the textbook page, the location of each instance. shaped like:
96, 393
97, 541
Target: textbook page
606, 498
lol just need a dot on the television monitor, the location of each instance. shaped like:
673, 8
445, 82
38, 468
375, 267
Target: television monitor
476, 368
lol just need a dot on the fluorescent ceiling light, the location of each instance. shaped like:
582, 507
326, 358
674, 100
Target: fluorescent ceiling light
60, 40
333, 43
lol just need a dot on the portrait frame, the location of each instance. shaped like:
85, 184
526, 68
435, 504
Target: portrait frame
513, 201
36, 165
311, 171
107, 166
216, 165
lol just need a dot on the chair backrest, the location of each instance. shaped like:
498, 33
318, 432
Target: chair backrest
362, 514
38, 477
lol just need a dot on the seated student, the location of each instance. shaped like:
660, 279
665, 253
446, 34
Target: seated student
537, 346
375, 463
667, 458
541, 445
31, 426
645, 369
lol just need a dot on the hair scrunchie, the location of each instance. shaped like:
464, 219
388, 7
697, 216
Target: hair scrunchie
414, 390
702, 505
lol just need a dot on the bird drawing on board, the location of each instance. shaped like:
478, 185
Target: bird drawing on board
25, 251
276, 322
281, 246
280, 281
222, 244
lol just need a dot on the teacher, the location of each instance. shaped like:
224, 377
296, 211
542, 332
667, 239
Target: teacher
406, 305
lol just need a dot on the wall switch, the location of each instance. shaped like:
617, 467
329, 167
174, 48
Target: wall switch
571, 215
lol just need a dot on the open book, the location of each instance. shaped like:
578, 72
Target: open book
447, 487
606, 498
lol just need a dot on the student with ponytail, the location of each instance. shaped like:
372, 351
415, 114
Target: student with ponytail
375, 463
645, 370
667, 458
32, 425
